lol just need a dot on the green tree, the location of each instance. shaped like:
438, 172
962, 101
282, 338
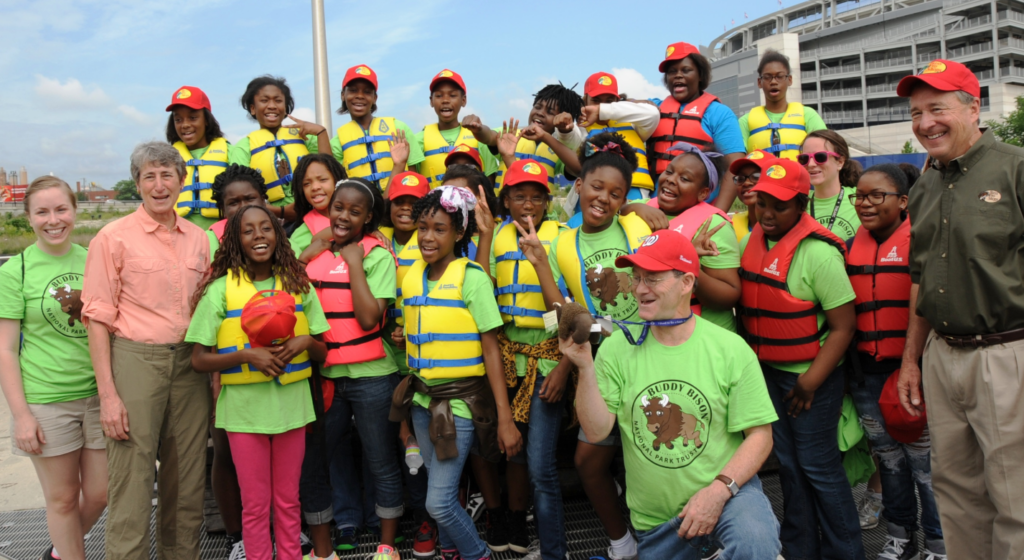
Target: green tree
126, 190
1011, 130
82, 197
908, 148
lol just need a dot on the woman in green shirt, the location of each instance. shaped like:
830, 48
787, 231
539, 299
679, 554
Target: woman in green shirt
833, 179
46, 373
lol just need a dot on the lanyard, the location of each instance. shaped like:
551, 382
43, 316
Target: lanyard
647, 327
835, 211
583, 269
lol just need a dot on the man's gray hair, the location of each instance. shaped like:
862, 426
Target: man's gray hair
965, 97
156, 153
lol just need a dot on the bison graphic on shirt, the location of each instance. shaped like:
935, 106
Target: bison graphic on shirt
668, 422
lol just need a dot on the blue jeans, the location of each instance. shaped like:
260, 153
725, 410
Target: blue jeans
901, 466
746, 530
540, 438
816, 494
369, 400
455, 528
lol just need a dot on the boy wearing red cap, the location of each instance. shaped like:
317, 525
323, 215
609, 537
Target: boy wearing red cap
437, 141
196, 134
676, 419
778, 126
797, 309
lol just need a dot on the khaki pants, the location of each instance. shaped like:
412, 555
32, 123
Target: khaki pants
168, 407
975, 402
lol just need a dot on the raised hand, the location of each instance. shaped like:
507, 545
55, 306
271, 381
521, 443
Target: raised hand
534, 133
703, 243
563, 122
589, 115
530, 244
484, 218
509, 138
472, 123
399, 147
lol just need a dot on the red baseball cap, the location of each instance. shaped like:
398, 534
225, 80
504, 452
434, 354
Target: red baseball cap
760, 158
783, 179
408, 182
360, 72
677, 51
527, 171
464, 150
600, 84
903, 427
943, 75
450, 76
269, 320
664, 250
191, 97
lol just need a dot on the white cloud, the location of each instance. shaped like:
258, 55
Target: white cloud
634, 84
134, 115
69, 95
304, 114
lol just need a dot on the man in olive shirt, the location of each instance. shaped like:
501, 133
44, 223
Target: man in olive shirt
967, 314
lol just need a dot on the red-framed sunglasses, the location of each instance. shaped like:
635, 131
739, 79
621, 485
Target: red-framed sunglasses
819, 157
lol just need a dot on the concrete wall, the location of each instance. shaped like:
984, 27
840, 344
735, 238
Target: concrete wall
789, 45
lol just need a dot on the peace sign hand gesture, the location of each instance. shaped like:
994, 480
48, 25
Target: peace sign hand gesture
530, 244
703, 243
484, 218
509, 138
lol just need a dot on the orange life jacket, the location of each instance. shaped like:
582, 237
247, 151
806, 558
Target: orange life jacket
779, 326
880, 276
316, 221
218, 228
679, 126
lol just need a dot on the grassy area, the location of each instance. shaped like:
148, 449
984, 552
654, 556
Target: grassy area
16, 233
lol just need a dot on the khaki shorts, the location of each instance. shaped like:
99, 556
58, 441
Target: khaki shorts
67, 426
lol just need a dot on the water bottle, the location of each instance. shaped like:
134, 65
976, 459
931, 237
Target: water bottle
413, 459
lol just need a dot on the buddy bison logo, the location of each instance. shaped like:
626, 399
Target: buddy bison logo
670, 423
605, 285
62, 305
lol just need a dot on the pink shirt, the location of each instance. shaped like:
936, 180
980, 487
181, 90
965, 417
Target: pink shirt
140, 277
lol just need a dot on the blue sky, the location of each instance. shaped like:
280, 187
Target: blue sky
85, 80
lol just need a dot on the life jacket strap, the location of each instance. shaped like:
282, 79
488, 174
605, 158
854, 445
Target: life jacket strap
520, 311
365, 140
369, 158
880, 304
420, 363
765, 341
433, 302
768, 314
199, 162
355, 341
437, 152
274, 144
424, 338
868, 336
517, 289
230, 313
777, 126
877, 269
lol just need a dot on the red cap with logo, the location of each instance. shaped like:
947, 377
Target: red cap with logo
677, 51
943, 75
600, 84
760, 158
527, 171
191, 97
664, 250
903, 427
464, 150
783, 179
408, 182
269, 320
360, 72
449, 76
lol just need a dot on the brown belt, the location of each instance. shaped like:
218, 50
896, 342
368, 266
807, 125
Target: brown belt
982, 340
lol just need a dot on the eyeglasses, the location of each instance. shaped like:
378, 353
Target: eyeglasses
753, 178
819, 157
534, 200
769, 78
651, 281
875, 198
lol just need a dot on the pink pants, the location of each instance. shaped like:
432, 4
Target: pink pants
268, 469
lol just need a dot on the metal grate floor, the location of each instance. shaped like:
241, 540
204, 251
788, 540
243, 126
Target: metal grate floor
23, 534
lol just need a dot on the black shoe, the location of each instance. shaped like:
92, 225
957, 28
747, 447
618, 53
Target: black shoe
48, 555
497, 529
346, 538
518, 533
902, 545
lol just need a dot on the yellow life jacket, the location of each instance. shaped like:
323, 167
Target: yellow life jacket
231, 337
366, 153
538, 152
436, 149
642, 176
196, 195
570, 261
518, 292
407, 257
741, 224
790, 129
442, 338
266, 148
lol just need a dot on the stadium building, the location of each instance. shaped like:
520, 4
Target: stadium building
848, 55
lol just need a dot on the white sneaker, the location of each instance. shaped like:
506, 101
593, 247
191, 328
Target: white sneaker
532, 551
614, 557
869, 509
237, 552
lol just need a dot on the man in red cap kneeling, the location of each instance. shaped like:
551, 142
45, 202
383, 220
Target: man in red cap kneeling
685, 392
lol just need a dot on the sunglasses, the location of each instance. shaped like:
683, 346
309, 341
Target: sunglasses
819, 157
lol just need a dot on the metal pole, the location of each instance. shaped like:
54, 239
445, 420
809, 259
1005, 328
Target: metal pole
320, 79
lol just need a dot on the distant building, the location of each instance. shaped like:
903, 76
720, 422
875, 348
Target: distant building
13, 178
23, 176
101, 196
3, 176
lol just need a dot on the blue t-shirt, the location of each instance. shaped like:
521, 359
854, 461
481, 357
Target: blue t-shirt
724, 128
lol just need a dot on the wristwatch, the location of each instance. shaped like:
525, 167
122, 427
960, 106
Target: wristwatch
729, 483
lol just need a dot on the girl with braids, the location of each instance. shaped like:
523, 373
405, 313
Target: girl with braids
355, 280
834, 178
458, 386
585, 258
237, 187
314, 179
264, 405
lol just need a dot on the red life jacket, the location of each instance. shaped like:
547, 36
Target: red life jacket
679, 126
780, 327
218, 229
881, 280
347, 342
316, 221
689, 222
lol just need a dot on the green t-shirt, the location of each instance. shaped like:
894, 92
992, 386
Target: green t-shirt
601, 250
241, 154
812, 122
301, 238
415, 148
489, 160
55, 362
380, 275
847, 220
196, 217
715, 390
478, 293
214, 244
817, 274
257, 408
728, 257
